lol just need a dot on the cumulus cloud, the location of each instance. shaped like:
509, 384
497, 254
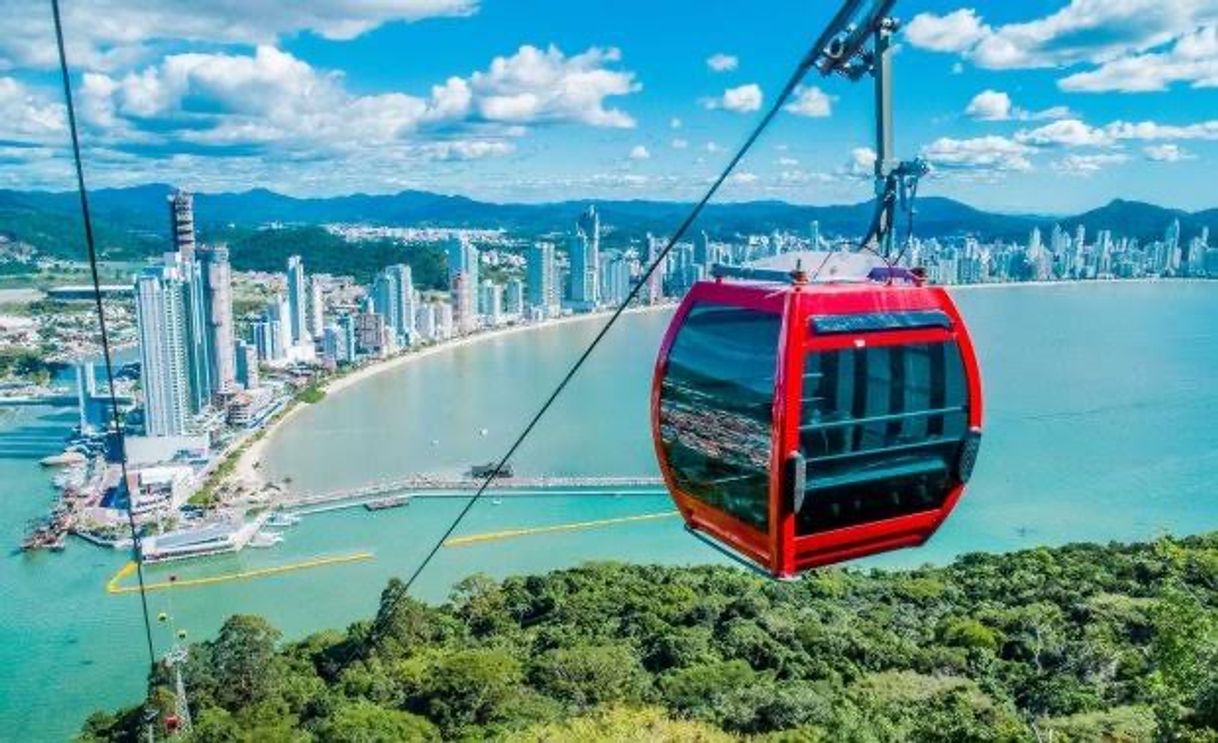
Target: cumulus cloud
534, 85
860, 165
1085, 165
1167, 153
787, 162
1076, 133
992, 153
722, 62
810, 101
1067, 133
1114, 37
30, 115
741, 99
104, 34
639, 152
957, 31
271, 96
743, 178
995, 105
1193, 59
989, 105
674, 123
464, 149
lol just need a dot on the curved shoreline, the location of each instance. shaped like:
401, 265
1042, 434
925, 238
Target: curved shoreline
247, 471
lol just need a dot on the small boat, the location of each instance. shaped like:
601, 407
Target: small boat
393, 501
280, 520
63, 459
479, 471
266, 539
496, 501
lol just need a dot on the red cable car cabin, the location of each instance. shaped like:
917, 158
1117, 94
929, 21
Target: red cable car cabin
804, 424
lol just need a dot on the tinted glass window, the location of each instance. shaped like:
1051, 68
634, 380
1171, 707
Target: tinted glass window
880, 429
716, 407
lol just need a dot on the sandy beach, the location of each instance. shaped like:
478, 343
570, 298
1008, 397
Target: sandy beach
247, 473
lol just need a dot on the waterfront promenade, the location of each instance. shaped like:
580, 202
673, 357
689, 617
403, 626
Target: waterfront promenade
464, 487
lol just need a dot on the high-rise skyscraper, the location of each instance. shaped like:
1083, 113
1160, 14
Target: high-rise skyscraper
218, 280
654, 291
542, 291
584, 254
317, 308
161, 319
182, 223
184, 258
615, 278
490, 302
297, 300
393, 298
247, 365
463, 283
513, 297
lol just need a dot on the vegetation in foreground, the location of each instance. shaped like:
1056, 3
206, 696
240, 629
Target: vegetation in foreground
1083, 642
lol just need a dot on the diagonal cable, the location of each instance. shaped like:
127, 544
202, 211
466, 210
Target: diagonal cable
115, 416
796, 77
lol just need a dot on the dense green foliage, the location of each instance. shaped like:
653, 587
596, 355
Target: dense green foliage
311, 394
1078, 643
25, 364
324, 252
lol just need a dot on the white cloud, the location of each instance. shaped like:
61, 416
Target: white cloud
104, 34
860, 165
994, 105
1167, 153
534, 85
680, 144
992, 153
741, 99
30, 115
743, 177
989, 105
639, 152
461, 149
1150, 130
1086, 165
1076, 133
722, 62
1067, 133
674, 123
787, 162
1114, 37
713, 147
957, 31
1193, 59
272, 97
810, 101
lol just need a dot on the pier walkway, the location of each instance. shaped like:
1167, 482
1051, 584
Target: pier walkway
438, 487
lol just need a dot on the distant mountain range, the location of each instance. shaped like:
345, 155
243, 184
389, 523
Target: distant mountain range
132, 221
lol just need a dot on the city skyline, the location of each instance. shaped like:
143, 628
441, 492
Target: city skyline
1098, 99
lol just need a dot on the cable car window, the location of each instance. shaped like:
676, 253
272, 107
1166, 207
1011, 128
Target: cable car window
716, 408
881, 427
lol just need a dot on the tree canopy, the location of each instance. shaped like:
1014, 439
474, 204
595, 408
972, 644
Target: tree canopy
1083, 642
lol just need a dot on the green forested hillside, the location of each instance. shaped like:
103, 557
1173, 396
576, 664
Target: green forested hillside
1079, 643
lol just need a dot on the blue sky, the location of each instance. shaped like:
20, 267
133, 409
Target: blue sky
1038, 105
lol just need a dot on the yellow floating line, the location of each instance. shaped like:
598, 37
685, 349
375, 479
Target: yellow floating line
512, 533
112, 585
